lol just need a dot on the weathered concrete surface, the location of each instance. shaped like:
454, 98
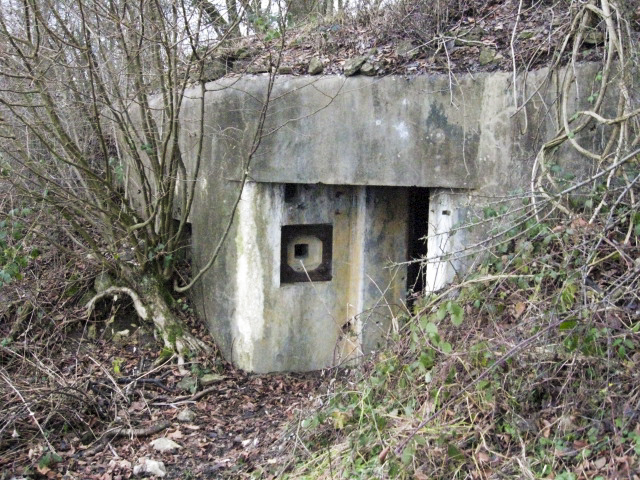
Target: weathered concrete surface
273, 326
353, 143
352, 131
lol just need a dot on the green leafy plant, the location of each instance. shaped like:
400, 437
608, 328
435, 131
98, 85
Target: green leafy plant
48, 460
14, 252
117, 365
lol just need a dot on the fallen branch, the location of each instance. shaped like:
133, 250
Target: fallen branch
152, 381
125, 432
186, 398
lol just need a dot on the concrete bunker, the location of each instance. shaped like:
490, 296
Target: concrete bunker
349, 175
316, 271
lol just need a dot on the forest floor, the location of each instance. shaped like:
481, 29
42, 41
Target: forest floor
83, 391
83, 396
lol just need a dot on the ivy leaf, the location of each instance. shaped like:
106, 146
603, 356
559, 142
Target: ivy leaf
567, 325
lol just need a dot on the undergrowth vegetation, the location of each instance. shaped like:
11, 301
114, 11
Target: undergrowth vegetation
527, 369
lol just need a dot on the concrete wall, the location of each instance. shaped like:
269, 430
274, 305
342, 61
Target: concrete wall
270, 325
355, 143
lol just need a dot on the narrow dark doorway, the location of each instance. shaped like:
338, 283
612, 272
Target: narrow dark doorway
418, 229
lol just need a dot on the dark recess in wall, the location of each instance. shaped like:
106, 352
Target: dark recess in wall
418, 229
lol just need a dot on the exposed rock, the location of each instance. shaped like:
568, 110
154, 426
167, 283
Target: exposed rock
368, 69
164, 444
406, 49
84, 299
285, 70
353, 65
188, 384
258, 67
102, 282
186, 416
213, 70
121, 336
92, 332
211, 378
152, 467
315, 66
594, 37
487, 55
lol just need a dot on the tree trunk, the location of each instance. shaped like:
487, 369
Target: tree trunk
299, 10
151, 304
234, 18
175, 333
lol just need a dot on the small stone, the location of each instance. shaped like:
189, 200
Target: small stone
164, 444
156, 468
353, 65
315, 66
186, 416
188, 384
152, 467
211, 378
368, 69
285, 70
121, 336
487, 55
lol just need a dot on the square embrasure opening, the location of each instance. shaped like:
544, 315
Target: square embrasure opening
301, 250
306, 253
